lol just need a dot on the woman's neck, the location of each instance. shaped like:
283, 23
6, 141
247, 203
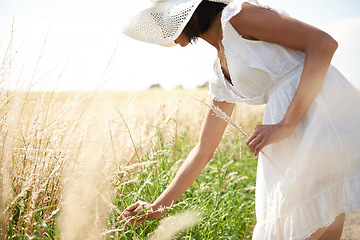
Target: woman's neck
214, 34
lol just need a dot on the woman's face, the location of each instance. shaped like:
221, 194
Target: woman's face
182, 40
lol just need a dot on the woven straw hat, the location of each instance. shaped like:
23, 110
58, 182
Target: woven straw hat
163, 21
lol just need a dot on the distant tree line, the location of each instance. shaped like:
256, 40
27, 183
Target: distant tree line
155, 85
158, 86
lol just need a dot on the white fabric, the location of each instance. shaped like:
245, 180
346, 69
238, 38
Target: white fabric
314, 175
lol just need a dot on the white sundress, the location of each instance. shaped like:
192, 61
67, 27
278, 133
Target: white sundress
314, 175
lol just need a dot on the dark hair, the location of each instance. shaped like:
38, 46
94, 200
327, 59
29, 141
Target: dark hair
202, 19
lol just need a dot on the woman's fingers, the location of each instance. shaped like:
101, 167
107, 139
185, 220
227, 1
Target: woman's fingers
255, 139
137, 212
128, 211
135, 205
259, 147
256, 145
138, 215
135, 221
264, 135
252, 137
260, 138
253, 143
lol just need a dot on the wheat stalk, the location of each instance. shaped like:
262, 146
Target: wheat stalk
220, 114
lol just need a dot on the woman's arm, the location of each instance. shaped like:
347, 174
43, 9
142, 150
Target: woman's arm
267, 25
211, 133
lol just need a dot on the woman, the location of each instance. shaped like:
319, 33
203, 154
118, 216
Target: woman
309, 175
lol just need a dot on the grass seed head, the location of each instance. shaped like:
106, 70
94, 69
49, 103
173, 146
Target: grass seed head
170, 226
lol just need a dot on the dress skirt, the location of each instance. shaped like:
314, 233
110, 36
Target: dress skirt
305, 181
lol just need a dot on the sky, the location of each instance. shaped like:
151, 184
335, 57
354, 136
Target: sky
78, 45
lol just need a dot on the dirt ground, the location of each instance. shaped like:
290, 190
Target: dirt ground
352, 226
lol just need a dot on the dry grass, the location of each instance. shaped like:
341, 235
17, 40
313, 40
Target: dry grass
35, 149
64, 156
60, 153
172, 225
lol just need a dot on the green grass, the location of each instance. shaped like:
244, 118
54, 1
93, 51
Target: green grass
223, 194
67, 161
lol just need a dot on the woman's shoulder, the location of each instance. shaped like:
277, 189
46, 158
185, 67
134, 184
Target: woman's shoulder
271, 26
233, 9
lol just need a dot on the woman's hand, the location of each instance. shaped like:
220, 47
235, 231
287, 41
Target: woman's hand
266, 134
211, 133
139, 212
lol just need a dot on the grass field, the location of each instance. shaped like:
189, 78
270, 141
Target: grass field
71, 162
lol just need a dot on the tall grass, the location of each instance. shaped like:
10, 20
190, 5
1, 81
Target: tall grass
223, 194
70, 163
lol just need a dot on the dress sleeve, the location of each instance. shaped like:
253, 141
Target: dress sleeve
271, 58
218, 89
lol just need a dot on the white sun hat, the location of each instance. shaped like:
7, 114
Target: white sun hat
163, 21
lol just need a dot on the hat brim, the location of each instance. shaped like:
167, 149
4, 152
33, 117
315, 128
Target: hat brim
162, 23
